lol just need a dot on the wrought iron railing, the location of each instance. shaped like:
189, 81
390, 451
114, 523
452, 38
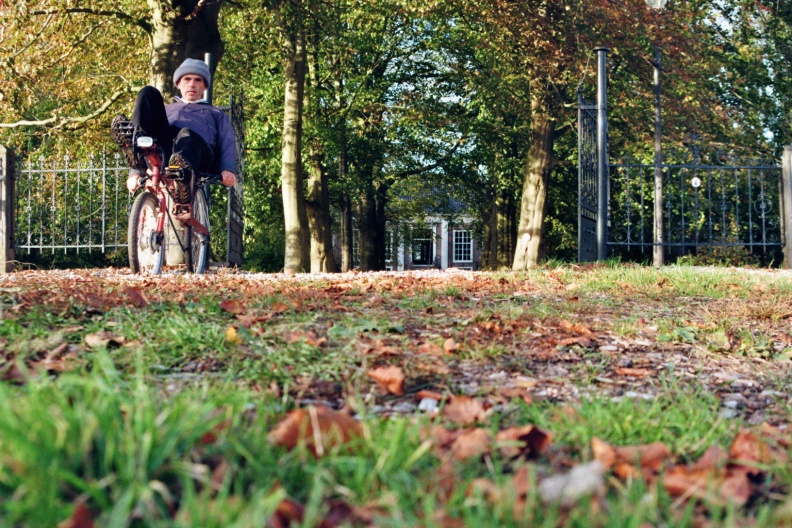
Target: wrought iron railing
68, 204
710, 198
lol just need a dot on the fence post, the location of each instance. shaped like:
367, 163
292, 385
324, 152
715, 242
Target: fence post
7, 256
657, 253
602, 155
786, 205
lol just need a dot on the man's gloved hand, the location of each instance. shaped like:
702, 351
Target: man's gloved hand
229, 178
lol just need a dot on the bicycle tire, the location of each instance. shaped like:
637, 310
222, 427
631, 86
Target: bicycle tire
198, 250
146, 246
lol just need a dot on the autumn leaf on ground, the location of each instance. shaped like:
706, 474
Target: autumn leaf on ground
390, 379
421, 394
575, 328
59, 359
232, 336
104, 338
430, 349
319, 428
81, 517
471, 443
528, 440
633, 372
632, 461
749, 451
279, 308
288, 513
11, 372
485, 488
464, 410
708, 479
450, 346
137, 297
233, 307
341, 513
309, 338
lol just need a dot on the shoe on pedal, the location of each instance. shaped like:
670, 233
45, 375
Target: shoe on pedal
123, 132
181, 167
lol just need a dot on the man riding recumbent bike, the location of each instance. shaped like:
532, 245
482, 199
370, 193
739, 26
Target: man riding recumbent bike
198, 140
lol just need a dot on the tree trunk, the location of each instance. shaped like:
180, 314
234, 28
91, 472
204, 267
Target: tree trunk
371, 225
346, 234
180, 32
506, 229
317, 206
381, 200
534, 193
499, 232
367, 227
297, 253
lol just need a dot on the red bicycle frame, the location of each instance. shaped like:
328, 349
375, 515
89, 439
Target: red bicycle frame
153, 156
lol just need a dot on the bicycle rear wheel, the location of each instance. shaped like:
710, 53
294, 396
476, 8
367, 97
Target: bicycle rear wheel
198, 250
146, 246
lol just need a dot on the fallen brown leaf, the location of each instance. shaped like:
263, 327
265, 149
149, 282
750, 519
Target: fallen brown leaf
421, 394
450, 346
137, 297
288, 513
81, 517
319, 428
471, 443
528, 440
464, 410
749, 451
390, 379
631, 461
233, 307
633, 372
104, 338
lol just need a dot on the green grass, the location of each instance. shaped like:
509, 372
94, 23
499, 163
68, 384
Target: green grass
174, 430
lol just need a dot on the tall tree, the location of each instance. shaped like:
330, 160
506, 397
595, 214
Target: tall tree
79, 46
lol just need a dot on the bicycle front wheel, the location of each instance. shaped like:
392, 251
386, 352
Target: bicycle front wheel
146, 245
198, 250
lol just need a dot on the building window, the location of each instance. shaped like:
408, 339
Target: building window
388, 246
422, 248
463, 246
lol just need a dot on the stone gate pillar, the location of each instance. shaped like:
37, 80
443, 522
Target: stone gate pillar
7, 256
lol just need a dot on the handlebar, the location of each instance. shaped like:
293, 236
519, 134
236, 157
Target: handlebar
206, 177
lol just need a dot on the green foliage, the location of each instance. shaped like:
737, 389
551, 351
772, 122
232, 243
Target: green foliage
720, 256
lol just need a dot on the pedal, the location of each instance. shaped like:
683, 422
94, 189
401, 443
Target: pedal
176, 173
182, 212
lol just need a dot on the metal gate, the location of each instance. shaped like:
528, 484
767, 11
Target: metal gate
587, 180
709, 198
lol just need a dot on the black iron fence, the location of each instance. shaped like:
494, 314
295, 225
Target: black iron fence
684, 201
67, 204
710, 199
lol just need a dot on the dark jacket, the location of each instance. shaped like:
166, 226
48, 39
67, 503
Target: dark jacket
210, 123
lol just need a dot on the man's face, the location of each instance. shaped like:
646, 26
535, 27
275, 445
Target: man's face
192, 87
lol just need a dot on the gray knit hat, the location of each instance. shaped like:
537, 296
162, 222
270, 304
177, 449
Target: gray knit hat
193, 66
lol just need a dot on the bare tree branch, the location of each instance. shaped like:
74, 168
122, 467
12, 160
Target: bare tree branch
73, 122
35, 38
76, 44
98, 12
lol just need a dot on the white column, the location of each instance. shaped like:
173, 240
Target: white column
444, 244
